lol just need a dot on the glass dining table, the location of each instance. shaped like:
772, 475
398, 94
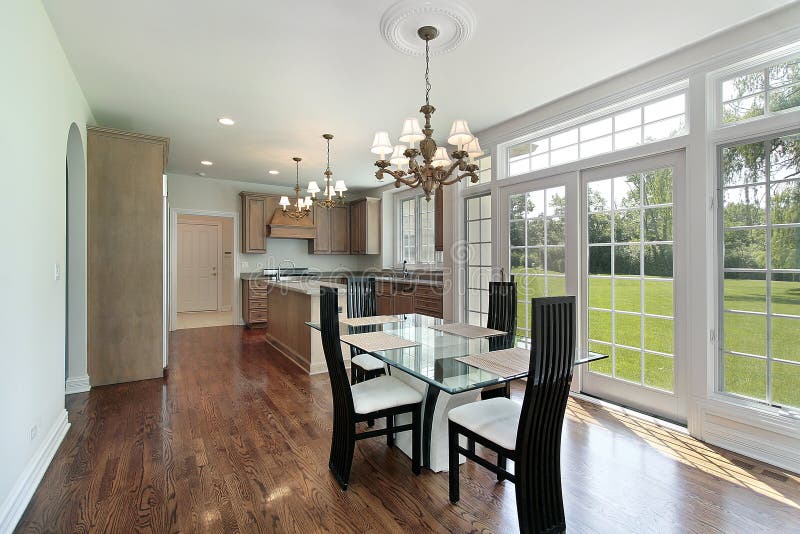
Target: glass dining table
431, 366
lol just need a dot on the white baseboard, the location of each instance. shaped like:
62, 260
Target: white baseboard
78, 384
23, 489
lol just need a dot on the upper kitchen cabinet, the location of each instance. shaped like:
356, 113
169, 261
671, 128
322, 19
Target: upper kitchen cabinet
254, 223
333, 231
365, 226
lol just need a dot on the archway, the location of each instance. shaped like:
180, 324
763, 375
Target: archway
76, 377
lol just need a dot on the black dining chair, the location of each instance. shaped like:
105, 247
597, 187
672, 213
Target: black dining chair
362, 302
385, 396
503, 317
529, 434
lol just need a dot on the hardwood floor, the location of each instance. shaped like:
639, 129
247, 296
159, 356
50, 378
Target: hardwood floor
236, 439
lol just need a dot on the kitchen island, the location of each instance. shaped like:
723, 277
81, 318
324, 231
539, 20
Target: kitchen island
291, 305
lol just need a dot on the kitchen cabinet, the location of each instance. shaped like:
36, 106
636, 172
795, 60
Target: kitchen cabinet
408, 296
255, 303
384, 297
333, 231
254, 223
365, 226
125, 255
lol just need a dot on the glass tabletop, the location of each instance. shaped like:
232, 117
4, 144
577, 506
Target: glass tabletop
434, 358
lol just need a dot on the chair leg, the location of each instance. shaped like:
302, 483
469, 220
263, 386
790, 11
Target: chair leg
452, 449
341, 461
416, 439
353, 374
389, 427
501, 463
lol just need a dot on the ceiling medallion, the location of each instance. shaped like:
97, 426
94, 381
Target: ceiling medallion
454, 21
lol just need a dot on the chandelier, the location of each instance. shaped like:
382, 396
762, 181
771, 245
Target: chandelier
436, 169
334, 192
302, 206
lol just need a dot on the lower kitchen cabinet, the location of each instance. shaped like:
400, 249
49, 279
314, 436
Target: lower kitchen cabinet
403, 297
255, 303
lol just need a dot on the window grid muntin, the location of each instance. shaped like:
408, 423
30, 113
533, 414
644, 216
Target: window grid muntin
523, 301
767, 271
484, 171
530, 155
766, 92
642, 242
472, 308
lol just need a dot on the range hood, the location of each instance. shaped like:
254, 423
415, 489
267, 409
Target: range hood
282, 226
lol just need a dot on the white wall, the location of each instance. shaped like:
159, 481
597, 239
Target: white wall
208, 194
39, 100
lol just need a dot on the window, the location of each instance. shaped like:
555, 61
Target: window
537, 250
484, 171
417, 220
761, 92
654, 121
759, 225
479, 258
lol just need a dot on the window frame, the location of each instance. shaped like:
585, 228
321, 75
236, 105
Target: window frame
418, 196
761, 62
720, 351
466, 286
502, 163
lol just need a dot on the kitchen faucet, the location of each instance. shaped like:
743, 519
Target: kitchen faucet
405, 270
278, 279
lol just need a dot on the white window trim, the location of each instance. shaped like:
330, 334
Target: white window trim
399, 198
748, 66
500, 161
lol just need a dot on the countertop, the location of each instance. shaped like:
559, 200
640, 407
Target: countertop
307, 287
434, 280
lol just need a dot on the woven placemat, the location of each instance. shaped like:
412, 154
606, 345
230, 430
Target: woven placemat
505, 363
372, 341
467, 330
373, 319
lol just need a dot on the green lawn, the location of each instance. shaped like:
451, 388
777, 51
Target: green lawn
743, 333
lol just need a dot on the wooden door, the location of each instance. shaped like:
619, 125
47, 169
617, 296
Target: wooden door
340, 230
125, 231
198, 269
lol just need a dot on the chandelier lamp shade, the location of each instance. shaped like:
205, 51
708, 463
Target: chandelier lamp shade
333, 194
302, 206
436, 169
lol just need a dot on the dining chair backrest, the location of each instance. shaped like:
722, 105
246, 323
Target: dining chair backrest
332, 346
502, 313
361, 300
539, 433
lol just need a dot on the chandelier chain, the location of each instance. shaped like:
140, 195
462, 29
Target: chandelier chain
427, 73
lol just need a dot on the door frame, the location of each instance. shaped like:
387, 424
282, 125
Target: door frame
678, 400
236, 307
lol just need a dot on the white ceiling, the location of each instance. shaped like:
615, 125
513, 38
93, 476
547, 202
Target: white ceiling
288, 72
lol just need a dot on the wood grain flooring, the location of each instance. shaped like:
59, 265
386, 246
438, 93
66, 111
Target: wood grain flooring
236, 439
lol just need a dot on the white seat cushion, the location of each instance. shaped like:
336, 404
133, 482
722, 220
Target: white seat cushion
382, 393
494, 419
367, 362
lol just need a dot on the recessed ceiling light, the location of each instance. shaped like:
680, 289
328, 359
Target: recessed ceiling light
226, 121
273, 171
206, 163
